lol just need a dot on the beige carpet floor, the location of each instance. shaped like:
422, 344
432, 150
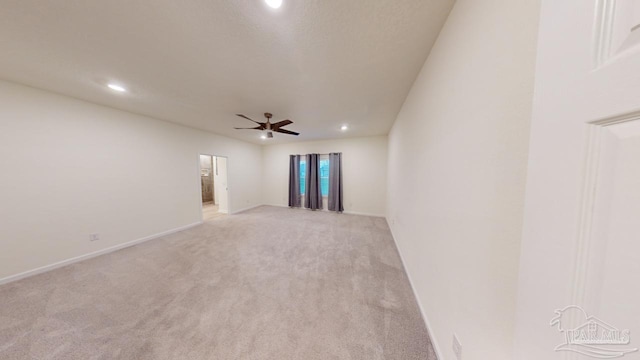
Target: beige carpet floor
270, 283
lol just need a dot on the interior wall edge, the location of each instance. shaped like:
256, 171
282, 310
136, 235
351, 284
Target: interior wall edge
130, 112
364, 161
325, 210
74, 169
87, 256
425, 319
245, 209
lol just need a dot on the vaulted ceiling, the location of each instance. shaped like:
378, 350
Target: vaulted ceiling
320, 63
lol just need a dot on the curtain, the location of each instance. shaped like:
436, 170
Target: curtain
335, 182
313, 193
294, 181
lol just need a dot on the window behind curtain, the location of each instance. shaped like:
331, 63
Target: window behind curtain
324, 176
303, 170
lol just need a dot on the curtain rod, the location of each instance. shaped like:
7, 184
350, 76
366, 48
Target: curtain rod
318, 154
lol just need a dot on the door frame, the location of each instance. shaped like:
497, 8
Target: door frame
199, 169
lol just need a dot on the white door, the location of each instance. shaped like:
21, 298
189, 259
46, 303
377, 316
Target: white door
220, 184
581, 237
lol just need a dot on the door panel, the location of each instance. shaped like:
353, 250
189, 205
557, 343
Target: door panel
611, 264
222, 193
612, 290
581, 235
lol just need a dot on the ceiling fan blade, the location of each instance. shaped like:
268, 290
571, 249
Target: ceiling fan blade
253, 128
281, 124
245, 117
286, 132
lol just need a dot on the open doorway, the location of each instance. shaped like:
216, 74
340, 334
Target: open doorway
213, 182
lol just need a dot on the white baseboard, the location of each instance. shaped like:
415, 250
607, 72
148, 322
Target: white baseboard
76, 259
345, 212
245, 209
277, 205
436, 347
362, 214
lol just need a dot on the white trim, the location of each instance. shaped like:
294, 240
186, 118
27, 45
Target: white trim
277, 205
362, 214
427, 324
246, 209
90, 255
199, 167
325, 210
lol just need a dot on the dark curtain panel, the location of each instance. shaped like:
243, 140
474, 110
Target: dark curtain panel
294, 181
335, 182
313, 193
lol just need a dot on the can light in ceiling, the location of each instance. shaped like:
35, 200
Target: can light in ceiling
116, 87
344, 127
263, 137
274, 3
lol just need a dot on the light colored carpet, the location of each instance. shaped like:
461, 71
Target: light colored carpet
270, 283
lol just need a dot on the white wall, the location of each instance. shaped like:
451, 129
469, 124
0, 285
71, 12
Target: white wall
364, 163
457, 166
70, 168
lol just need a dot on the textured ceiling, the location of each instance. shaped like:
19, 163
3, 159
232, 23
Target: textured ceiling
320, 63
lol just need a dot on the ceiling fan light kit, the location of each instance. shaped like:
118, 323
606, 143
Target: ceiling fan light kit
268, 126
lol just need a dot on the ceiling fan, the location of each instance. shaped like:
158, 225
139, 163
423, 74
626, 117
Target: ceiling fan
268, 126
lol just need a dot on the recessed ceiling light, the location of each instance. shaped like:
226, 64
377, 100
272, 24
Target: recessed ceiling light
263, 137
116, 87
274, 3
344, 128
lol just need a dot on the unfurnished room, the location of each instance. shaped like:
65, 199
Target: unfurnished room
319, 180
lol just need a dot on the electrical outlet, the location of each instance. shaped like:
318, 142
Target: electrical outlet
94, 237
457, 347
